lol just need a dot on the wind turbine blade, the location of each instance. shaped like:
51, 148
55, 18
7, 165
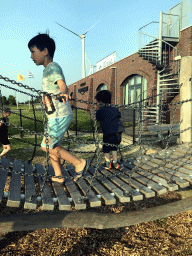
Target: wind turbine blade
88, 59
68, 30
91, 27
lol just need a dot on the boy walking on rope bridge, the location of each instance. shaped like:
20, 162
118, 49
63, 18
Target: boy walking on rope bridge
4, 132
58, 109
108, 117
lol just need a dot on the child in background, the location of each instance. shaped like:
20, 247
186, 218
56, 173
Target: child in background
58, 110
108, 117
4, 132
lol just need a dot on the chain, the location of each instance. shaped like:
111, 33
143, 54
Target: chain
39, 92
142, 150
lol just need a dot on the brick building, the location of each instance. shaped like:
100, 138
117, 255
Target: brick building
150, 75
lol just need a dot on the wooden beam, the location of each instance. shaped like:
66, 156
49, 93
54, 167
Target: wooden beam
85, 219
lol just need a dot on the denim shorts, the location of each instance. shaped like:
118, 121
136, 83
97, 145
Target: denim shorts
56, 130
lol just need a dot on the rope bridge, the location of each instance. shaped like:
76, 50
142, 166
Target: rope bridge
143, 176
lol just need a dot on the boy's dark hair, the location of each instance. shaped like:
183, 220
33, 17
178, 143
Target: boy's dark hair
104, 96
42, 41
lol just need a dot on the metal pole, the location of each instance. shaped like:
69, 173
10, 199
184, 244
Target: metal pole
134, 126
21, 123
158, 98
160, 36
160, 62
76, 119
29, 100
83, 55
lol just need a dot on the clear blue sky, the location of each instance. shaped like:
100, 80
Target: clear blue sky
117, 30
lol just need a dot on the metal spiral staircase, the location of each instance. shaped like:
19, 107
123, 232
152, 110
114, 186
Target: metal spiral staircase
161, 52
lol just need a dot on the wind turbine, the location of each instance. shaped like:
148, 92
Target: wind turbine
91, 71
82, 37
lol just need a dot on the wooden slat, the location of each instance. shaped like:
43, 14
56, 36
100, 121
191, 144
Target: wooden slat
94, 201
180, 169
155, 170
110, 185
30, 193
149, 183
147, 192
186, 164
171, 174
14, 197
143, 171
5, 162
74, 192
100, 189
47, 200
184, 150
135, 195
62, 198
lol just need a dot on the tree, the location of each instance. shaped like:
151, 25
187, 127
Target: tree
11, 100
4, 100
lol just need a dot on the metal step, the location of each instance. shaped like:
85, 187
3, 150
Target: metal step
166, 80
153, 42
156, 49
166, 69
169, 84
169, 87
170, 92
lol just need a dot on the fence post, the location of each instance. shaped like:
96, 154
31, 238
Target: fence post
21, 123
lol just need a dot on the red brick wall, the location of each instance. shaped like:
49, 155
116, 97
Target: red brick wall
185, 43
124, 68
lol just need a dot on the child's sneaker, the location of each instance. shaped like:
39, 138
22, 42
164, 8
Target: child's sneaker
116, 165
108, 165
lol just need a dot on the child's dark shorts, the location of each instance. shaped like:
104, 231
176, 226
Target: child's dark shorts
113, 138
4, 140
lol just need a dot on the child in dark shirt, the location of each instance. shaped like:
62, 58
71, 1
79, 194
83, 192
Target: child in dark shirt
4, 132
108, 117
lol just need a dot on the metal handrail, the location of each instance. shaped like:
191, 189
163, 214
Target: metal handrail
162, 41
149, 24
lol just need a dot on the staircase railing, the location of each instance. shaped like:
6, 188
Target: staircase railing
149, 30
168, 67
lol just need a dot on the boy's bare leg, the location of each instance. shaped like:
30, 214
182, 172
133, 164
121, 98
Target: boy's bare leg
62, 153
114, 155
107, 157
55, 161
6, 148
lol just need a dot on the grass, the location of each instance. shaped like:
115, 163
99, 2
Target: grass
21, 145
84, 122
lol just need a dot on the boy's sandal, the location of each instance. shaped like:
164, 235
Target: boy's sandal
57, 182
82, 173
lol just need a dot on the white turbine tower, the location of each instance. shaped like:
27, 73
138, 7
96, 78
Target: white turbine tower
82, 37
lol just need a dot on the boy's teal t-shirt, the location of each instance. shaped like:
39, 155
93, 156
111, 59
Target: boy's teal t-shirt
54, 108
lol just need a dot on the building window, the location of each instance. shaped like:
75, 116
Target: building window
102, 87
135, 89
